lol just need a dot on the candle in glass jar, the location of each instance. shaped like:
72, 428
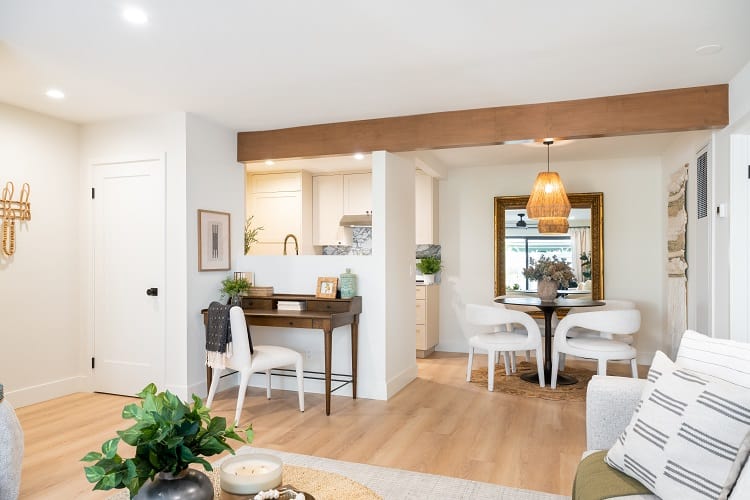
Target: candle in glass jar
250, 473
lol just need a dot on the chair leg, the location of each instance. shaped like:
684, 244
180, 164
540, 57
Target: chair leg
244, 380
602, 367
491, 370
528, 356
555, 367
300, 384
513, 361
268, 384
634, 367
506, 357
471, 362
562, 362
540, 366
215, 376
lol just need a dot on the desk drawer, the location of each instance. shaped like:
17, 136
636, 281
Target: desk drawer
420, 293
256, 303
323, 306
281, 322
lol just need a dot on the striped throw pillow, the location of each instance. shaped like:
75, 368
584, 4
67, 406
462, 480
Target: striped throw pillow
727, 360
685, 435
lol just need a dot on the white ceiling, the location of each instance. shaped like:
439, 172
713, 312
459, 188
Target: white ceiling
264, 64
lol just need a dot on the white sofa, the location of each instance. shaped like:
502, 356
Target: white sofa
611, 401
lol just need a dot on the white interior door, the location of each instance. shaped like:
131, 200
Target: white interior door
129, 275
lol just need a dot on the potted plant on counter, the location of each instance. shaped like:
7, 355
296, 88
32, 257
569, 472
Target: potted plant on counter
550, 274
168, 436
429, 266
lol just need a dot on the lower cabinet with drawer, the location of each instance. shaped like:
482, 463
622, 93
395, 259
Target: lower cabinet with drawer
428, 297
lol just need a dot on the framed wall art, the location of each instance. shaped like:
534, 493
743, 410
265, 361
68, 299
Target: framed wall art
326, 288
214, 252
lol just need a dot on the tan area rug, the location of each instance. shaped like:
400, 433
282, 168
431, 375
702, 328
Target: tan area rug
512, 384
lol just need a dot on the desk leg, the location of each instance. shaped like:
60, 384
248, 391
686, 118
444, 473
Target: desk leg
355, 333
328, 334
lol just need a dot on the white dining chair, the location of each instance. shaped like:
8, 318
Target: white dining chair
494, 338
618, 322
263, 359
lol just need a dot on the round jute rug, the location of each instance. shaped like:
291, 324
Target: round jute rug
512, 384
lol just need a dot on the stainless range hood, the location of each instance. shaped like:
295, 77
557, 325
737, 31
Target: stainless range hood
356, 220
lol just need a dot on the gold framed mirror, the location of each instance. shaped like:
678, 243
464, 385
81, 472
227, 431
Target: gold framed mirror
508, 207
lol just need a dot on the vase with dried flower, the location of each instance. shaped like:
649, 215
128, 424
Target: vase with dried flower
550, 274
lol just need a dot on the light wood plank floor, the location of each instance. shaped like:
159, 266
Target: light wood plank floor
437, 424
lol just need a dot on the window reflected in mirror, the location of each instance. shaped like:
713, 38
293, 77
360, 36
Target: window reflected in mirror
518, 243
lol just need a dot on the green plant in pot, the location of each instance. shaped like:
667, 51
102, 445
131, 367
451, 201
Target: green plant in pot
168, 436
233, 288
429, 266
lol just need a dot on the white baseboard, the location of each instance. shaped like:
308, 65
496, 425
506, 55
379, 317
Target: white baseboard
46, 391
456, 346
400, 381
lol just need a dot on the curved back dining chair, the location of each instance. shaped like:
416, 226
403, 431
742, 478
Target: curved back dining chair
493, 320
615, 322
263, 359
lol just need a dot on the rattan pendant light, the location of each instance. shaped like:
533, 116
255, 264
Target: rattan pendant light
548, 201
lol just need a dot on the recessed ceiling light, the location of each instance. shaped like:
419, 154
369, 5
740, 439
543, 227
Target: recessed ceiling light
269, 163
707, 50
55, 94
135, 15
359, 156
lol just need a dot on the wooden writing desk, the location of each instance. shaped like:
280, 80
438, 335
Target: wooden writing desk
319, 314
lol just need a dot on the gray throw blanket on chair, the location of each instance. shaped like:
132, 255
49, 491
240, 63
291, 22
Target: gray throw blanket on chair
218, 335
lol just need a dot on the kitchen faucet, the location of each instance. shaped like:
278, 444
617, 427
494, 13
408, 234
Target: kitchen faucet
296, 245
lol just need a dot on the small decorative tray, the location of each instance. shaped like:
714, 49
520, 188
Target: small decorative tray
259, 291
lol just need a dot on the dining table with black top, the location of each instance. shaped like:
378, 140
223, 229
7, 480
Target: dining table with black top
548, 307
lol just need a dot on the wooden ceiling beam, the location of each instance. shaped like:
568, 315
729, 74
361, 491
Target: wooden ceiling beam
674, 110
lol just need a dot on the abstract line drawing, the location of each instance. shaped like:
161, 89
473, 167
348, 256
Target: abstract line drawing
213, 241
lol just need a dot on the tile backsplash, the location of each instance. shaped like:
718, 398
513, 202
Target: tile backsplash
362, 245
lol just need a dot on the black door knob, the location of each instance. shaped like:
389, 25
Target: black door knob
152, 292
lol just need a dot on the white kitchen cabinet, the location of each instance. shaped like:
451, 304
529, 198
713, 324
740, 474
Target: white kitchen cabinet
282, 204
357, 194
328, 206
427, 329
425, 209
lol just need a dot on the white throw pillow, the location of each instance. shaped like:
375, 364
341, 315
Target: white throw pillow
685, 434
724, 359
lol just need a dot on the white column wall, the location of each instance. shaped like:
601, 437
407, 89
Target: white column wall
40, 336
215, 181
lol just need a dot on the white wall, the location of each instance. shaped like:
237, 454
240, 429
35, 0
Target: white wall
393, 240
299, 274
133, 138
215, 181
634, 243
40, 336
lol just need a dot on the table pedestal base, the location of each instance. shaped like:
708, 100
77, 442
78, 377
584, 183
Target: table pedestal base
562, 379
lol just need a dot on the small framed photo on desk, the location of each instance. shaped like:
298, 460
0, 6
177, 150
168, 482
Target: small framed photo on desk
326, 288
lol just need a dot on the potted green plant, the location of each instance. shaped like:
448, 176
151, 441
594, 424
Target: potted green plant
550, 275
251, 233
429, 266
585, 265
168, 436
233, 288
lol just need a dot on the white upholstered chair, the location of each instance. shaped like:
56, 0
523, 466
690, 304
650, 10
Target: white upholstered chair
263, 359
616, 322
492, 338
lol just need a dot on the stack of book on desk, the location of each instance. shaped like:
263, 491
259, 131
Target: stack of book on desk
290, 305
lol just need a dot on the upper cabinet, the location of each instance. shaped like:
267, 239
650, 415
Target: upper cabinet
426, 209
357, 193
280, 203
328, 206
